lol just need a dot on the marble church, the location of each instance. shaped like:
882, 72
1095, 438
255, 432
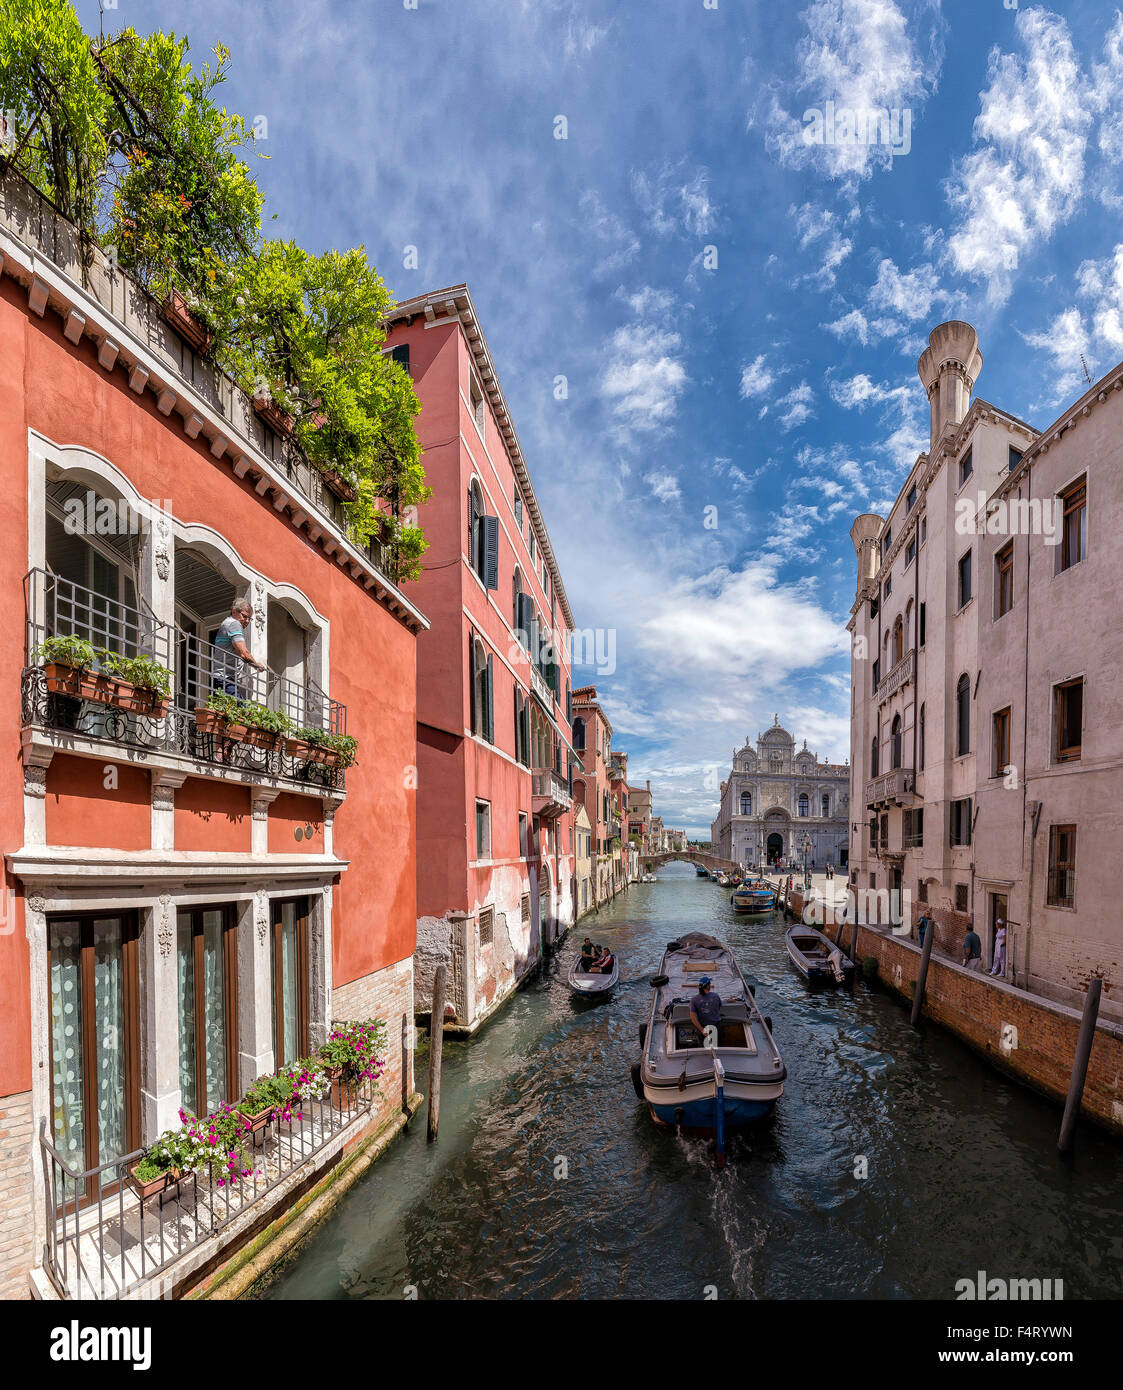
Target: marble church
775, 798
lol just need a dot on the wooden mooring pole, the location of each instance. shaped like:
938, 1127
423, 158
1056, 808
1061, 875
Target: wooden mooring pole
922, 975
436, 1041
1084, 1041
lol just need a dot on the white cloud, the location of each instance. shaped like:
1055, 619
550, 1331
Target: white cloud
622, 243
664, 485
866, 331
797, 406
1064, 341
644, 378
1101, 283
1028, 176
863, 55
911, 295
674, 202
756, 378
859, 391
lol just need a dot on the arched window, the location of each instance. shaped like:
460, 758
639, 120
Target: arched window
476, 529
579, 734
963, 716
483, 722
898, 640
920, 757
826, 807
873, 757
746, 803
804, 804
896, 749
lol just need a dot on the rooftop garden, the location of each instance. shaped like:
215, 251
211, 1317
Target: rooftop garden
132, 144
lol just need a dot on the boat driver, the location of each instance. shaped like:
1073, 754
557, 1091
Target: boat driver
588, 951
705, 1007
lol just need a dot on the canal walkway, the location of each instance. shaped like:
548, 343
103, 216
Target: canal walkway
898, 1162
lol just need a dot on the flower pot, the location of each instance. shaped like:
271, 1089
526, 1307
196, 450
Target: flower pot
344, 1094
330, 757
174, 311
259, 738
265, 408
209, 721
144, 1190
79, 682
335, 482
298, 748
260, 1120
140, 699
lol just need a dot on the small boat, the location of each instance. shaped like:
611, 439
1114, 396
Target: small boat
702, 873
598, 982
713, 875
712, 1089
648, 878
816, 957
756, 897
723, 880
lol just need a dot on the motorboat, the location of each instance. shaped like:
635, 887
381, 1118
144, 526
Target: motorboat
816, 957
719, 1082
753, 897
702, 873
592, 983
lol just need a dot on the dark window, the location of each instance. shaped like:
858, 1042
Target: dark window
1004, 580
922, 890
826, 807
962, 716
873, 757
921, 633
1062, 866
518, 508
876, 673
524, 835
961, 897
888, 586
1001, 742
910, 551
910, 500
400, 355
290, 980
966, 467
875, 605
960, 829
803, 804
920, 741
1015, 458
896, 741
746, 804
482, 685
887, 541
1074, 525
914, 828
1069, 720
525, 904
487, 919
965, 579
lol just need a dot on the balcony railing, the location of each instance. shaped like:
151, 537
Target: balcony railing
899, 676
551, 792
104, 1242
57, 607
895, 786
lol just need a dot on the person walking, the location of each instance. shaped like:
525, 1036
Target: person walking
972, 950
998, 968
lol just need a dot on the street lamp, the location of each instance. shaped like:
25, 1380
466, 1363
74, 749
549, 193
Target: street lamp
806, 860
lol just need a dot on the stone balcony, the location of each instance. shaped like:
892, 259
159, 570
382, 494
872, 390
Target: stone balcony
894, 788
550, 794
898, 677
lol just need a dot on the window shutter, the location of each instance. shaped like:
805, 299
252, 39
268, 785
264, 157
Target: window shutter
489, 698
568, 704
491, 551
526, 732
472, 683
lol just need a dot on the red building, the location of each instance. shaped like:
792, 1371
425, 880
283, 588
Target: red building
495, 827
182, 913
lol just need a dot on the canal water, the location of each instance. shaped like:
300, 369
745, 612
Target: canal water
550, 1180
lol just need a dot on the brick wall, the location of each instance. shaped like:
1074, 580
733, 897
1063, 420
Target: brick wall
1032, 1039
17, 1242
386, 994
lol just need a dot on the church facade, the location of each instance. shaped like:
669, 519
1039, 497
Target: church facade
775, 798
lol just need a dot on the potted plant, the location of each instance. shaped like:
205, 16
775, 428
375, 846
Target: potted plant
163, 1166
335, 482
308, 1081
267, 409
143, 684
334, 750
222, 715
176, 311
266, 1095
264, 727
353, 1053
69, 667
220, 1141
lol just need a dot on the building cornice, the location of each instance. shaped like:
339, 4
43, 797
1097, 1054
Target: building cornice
454, 305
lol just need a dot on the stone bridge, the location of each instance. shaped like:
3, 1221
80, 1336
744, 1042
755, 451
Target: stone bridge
690, 856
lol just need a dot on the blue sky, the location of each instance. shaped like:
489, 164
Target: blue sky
777, 385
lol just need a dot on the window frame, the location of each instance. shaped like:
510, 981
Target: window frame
1075, 492
276, 906
230, 996
483, 852
1000, 740
1004, 580
1053, 896
965, 560
1070, 752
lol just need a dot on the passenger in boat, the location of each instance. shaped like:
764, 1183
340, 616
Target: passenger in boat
588, 955
603, 964
705, 1007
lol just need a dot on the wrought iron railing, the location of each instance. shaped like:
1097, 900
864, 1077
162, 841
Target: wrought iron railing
105, 1242
57, 607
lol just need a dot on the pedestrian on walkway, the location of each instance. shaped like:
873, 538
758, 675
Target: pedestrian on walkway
972, 950
922, 926
999, 966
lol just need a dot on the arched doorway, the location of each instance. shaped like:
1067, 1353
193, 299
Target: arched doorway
774, 847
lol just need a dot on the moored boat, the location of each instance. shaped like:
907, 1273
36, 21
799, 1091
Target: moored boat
590, 984
702, 873
753, 897
716, 1088
816, 957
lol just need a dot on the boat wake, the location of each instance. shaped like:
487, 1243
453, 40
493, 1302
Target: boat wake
742, 1235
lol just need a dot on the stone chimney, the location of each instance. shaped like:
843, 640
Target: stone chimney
864, 534
948, 367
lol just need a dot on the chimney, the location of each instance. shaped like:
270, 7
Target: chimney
948, 367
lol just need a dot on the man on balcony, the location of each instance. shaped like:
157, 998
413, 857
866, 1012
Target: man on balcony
232, 655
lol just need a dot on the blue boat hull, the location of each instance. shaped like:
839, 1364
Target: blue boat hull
699, 1114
